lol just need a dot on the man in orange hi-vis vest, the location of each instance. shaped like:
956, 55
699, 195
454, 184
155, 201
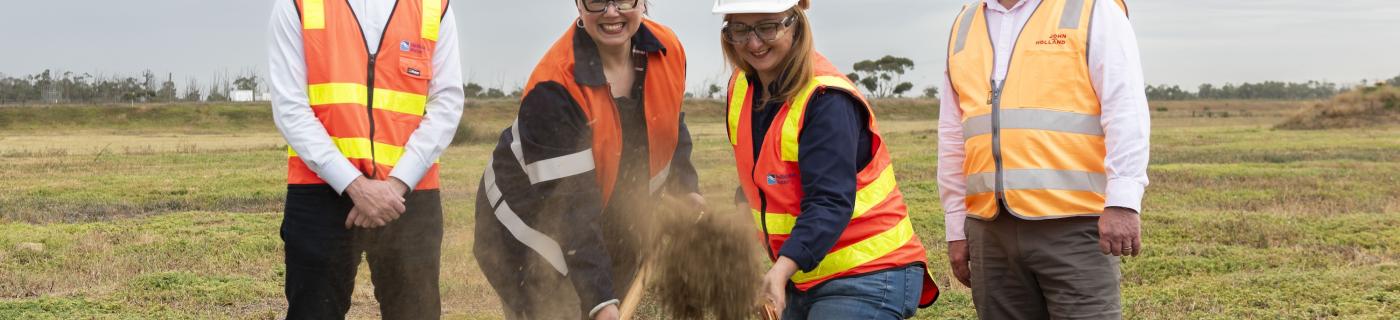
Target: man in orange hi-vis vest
1043, 151
368, 94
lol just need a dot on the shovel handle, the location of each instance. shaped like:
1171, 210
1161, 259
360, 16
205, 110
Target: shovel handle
635, 294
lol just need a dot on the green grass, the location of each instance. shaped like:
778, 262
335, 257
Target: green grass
1241, 221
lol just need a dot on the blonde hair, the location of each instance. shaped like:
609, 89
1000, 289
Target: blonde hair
797, 65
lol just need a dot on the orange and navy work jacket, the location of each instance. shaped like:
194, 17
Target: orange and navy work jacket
664, 91
1034, 141
577, 156
369, 104
880, 235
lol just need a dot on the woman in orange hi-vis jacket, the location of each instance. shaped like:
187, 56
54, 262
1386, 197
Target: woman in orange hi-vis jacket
816, 174
599, 135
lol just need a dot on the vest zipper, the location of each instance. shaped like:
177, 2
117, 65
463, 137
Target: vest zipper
996, 137
763, 216
762, 196
369, 83
995, 103
369, 109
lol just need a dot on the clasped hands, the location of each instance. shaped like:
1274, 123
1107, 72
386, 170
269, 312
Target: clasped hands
377, 202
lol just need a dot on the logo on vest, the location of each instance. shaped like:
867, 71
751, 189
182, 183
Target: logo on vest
415, 72
410, 47
776, 179
1054, 39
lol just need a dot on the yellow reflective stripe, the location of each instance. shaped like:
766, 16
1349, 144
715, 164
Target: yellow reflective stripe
860, 253
739, 95
336, 93
793, 121
359, 148
839, 82
778, 223
401, 102
867, 198
795, 111
875, 193
351, 93
313, 14
432, 19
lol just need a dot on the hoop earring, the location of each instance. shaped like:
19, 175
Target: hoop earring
579, 23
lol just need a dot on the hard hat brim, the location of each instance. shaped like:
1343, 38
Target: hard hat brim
754, 7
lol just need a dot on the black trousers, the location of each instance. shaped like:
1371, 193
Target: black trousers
323, 257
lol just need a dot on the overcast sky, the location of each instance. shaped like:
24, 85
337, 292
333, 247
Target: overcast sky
1184, 42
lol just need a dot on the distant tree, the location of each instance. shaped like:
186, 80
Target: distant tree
882, 77
472, 90
714, 90
167, 89
900, 89
191, 91
249, 82
931, 92
218, 92
494, 93
1163, 92
1394, 81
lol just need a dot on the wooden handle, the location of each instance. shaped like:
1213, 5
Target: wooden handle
635, 293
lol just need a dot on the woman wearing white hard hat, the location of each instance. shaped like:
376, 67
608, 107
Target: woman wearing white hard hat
816, 175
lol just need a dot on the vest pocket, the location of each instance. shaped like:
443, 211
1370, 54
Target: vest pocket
417, 68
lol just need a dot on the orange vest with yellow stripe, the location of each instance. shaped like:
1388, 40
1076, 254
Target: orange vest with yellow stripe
1034, 141
664, 91
880, 235
369, 104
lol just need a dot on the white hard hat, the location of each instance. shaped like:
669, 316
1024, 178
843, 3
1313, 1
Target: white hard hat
753, 6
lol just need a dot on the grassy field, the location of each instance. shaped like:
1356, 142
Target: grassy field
145, 212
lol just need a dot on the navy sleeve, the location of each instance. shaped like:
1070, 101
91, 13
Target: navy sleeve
829, 152
552, 125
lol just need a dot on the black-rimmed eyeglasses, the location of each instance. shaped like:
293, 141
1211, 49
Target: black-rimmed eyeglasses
738, 33
599, 6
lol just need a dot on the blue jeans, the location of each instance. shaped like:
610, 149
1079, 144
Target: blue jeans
891, 294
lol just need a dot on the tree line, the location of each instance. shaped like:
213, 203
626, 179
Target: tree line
880, 78
52, 87
1268, 90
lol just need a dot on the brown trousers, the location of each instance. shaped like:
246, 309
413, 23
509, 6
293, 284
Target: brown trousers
1042, 269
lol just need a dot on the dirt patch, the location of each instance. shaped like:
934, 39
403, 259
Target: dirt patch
708, 264
1363, 107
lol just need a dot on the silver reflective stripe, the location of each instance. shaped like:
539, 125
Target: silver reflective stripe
541, 243
1070, 18
493, 193
976, 126
561, 167
965, 26
660, 179
1039, 179
550, 169
1038, 119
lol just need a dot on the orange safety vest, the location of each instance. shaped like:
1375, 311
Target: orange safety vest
369, 126
665, 87
1034, 142
880, 235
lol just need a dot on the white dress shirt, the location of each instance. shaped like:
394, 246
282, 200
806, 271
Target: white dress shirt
1116, 72
307, 136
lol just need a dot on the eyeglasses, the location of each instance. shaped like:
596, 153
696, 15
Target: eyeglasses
738, 33
599, 6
